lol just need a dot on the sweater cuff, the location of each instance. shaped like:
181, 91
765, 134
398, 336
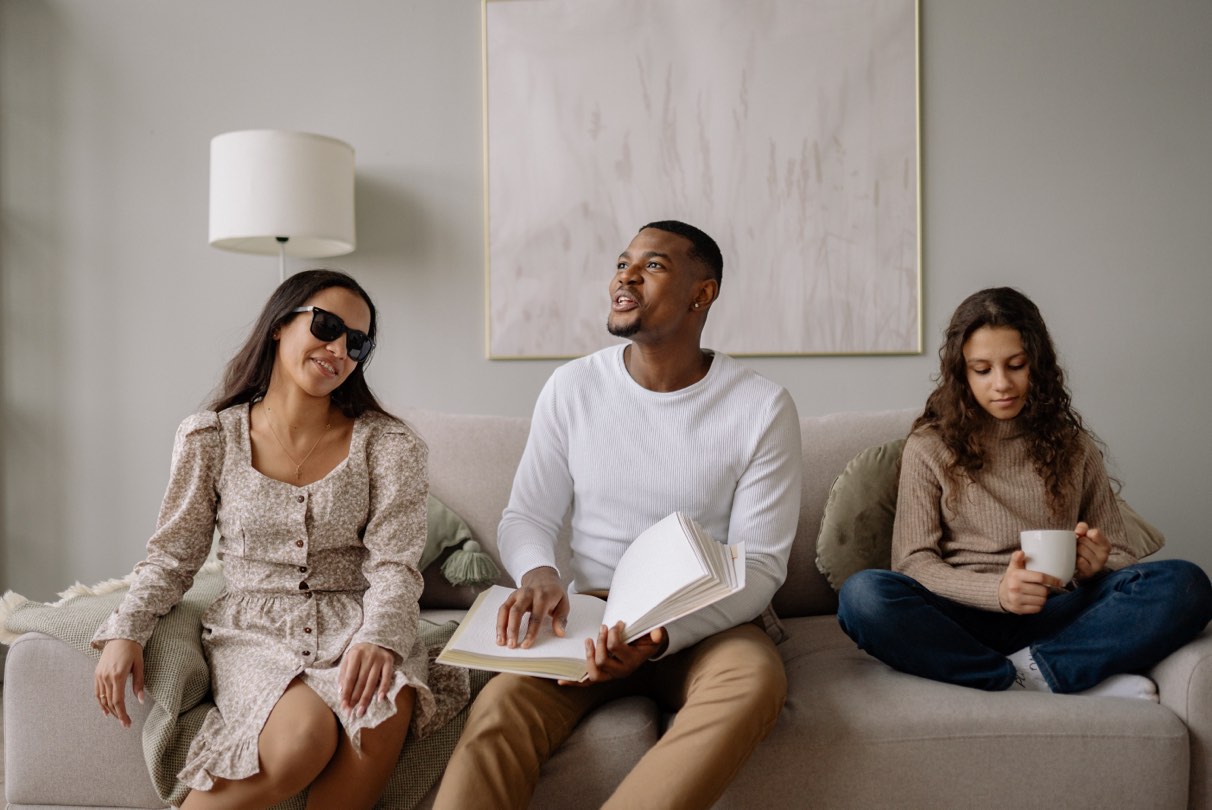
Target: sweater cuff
132, 627
524, 560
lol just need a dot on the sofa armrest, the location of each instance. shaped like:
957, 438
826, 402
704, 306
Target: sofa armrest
58, 748
1184, 685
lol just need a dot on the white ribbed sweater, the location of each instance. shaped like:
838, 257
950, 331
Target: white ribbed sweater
725, 450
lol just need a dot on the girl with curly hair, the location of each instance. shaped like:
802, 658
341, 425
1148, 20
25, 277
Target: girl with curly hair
999, 449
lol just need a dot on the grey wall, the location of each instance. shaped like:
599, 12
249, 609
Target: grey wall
1065, 152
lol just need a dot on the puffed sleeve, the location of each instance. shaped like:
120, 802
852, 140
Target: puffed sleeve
183, 533
394, 538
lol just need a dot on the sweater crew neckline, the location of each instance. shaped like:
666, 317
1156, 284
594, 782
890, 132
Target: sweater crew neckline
621, 367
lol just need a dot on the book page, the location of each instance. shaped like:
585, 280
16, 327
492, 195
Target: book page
659, 563
477, 633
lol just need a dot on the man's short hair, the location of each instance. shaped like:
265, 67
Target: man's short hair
702, 247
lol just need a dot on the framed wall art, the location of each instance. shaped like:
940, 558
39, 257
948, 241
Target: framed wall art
786, 129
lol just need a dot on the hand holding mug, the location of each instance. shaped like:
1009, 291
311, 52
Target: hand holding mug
1050, 551
1093, 549
1023, 591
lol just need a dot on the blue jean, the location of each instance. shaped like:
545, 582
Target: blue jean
1125, 621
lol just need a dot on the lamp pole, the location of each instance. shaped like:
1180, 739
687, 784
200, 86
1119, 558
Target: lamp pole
282, 240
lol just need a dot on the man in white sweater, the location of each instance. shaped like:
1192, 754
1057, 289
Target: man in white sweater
624, 437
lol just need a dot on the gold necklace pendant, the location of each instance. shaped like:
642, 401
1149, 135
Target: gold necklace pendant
298, 464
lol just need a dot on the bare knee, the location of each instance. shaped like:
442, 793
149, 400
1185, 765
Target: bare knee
297, 743
387, 738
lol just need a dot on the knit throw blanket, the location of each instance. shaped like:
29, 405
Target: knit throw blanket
177, 679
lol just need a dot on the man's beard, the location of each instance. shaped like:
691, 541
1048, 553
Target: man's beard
623, 331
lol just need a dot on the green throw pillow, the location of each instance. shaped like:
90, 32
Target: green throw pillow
444, 529
856, 529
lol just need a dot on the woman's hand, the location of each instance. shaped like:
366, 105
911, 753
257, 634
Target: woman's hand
612, 659
366, 672
120, 657
1093, 549
1022, 591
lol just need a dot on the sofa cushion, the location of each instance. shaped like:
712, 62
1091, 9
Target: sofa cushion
856, 733
829, 442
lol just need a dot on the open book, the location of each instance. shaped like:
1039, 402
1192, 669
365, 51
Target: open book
671, 570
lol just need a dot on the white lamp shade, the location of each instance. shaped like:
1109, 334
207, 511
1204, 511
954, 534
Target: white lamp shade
268, 183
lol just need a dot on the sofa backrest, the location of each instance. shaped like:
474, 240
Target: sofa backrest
829, 443
472, 460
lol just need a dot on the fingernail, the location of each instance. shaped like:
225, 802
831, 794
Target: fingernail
361, 711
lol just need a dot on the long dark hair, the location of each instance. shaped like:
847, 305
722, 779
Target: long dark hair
246, 377
1052, 428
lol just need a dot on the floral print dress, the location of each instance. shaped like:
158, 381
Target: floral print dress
310, 571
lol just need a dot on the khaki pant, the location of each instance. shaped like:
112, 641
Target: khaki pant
727, 691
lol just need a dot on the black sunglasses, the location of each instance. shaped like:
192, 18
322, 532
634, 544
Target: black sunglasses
328, 328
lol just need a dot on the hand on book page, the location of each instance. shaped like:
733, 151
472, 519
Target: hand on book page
540, 595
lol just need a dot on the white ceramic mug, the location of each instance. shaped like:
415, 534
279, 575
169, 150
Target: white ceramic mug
1050, 551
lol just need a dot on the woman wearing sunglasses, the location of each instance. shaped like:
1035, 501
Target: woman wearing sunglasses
319, 499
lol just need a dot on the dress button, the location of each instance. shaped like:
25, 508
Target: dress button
299, 543
306, 629
307, 652
303, 586
300, 499
302, 569
307, 595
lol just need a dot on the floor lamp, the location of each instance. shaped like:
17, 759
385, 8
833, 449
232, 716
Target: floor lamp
289, 193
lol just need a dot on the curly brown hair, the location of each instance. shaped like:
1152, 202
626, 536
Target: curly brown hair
1052, 427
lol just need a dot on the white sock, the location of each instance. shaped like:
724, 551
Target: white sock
1026, 672
1027, 676
1124, 686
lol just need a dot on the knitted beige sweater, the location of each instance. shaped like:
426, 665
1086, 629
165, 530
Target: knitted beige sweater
959, 546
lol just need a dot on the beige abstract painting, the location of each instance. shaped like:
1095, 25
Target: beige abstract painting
786, 129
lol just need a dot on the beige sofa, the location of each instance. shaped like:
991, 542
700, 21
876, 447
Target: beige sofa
853, 733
